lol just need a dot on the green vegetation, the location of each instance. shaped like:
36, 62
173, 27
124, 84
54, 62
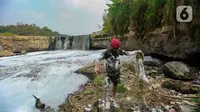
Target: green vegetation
7, 34
197, 100
139, 14
142, 15
121, 88
26, 30
87, 92
98, 81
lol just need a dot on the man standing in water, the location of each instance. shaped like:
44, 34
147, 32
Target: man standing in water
112, 69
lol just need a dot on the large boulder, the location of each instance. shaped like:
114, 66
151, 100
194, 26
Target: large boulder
178, 70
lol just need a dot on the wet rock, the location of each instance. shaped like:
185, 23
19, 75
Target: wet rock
148, 60
41, 106
178, 70
89, 72
23, 52
182, 87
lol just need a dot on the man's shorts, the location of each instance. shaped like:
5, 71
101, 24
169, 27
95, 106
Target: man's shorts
114, 78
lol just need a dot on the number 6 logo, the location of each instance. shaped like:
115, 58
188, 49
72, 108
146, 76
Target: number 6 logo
184, 14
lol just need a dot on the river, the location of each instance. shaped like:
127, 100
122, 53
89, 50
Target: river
47, 74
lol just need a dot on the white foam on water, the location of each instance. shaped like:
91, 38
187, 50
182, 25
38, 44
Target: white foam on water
48, 75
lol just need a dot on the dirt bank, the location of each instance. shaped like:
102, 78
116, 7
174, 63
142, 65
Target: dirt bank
132, 93
9, 45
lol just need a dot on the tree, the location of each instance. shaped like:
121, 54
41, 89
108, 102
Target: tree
142, 15
27, 29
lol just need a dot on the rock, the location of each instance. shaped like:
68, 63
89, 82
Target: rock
179, 103
171, 110
41, 106
182, 87
148, 60
188, 103
16, 44
1, 48
178, 70
154, 71
182, 26
23, 52
156, 110
128, 99
153, 110
167, 107
6, 53
88, 71
172, 103
166, 29
186, 108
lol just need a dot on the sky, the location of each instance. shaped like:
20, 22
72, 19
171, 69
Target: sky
72, 17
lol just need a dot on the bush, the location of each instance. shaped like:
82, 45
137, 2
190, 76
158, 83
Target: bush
142, 15
98, 81
7, 34
87, 92
121, 88
197, 100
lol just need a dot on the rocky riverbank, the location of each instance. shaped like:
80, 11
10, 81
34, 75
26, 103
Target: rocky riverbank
163, 94
11, 45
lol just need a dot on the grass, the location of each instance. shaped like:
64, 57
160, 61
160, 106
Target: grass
197, 100
121, 88
98, 81
87, 92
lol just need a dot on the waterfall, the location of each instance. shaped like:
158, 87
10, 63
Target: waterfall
58, 43
66, 43
81, 42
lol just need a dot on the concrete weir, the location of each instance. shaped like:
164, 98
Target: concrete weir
81, 42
